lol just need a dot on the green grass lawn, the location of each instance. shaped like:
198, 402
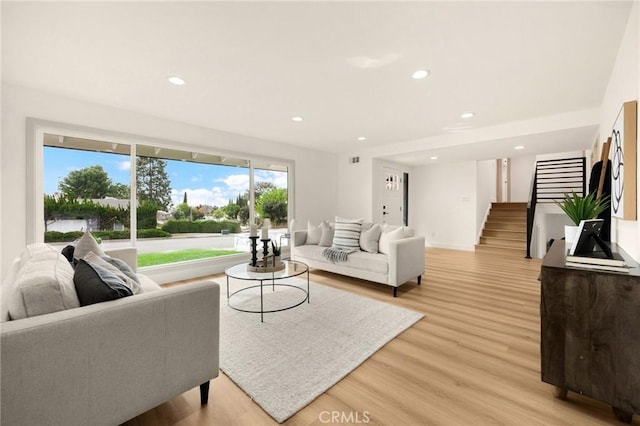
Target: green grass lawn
151, 259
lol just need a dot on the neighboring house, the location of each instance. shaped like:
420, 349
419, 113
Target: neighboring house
91, 224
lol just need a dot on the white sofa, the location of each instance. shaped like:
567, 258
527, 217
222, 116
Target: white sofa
105, 363
404, 262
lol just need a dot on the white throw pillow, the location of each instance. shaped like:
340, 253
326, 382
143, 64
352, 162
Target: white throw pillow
408, 232
314, 233
44, 284
369, 239
387, 237
86, 244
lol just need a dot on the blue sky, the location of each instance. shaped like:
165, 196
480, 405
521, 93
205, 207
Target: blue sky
204, 184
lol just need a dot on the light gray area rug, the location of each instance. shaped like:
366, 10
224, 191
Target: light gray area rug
294, 356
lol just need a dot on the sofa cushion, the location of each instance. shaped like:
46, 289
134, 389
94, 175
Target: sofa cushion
33, 250
347, 233
86, 244
314, 233
326, 239
369, 238
94, 259
371, 262
8, 288
387, 237
95, 284
44, 284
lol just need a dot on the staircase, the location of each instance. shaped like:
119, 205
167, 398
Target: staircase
505, 231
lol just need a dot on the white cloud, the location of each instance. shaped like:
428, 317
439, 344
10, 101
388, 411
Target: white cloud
228, 189
214, 196
124, 165
279, 179
236, 184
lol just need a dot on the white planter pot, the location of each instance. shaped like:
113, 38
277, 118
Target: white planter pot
570, 232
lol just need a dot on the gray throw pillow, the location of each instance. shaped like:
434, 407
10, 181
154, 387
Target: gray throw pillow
314, 233
326, 239
123, 266
369, 239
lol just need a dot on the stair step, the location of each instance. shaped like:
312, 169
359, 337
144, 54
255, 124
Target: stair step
507, 206
504, 242
508, 213
520, 234
507, 219
506, 226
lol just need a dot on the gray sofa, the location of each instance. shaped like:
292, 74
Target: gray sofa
404, 262
105, 363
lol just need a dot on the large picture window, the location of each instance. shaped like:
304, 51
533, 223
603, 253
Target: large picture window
187, 205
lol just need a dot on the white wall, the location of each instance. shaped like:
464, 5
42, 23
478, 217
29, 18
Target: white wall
486, 175
355, 183
443, 204
624, 86
315, 171
522, 169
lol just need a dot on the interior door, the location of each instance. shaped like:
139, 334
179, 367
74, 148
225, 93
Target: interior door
393, 197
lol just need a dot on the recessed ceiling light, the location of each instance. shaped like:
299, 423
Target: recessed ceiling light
362, 138
433, 158
467, 114
297, 118
420, 74
176, 80
519, 147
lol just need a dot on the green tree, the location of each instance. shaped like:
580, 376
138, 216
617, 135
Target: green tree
90, 182
182, 211
260, 188
196, 213
231, 210
243, 215
273, 204
147, 214
219, 214
153, 181
119, 190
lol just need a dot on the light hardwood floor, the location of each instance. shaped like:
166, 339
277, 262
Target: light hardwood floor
474, 358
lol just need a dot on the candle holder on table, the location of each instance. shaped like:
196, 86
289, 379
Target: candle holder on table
267, 263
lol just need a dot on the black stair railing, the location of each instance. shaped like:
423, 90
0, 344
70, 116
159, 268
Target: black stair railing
553, 179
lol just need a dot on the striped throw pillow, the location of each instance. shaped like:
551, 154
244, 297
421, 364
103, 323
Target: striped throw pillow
347, 233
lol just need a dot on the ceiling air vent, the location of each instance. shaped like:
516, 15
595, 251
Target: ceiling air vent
354, 160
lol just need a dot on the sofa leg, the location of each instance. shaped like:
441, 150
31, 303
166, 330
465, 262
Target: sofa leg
419, 279
395, 292
204, 393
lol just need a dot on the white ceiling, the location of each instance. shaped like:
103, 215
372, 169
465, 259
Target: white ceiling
344, 66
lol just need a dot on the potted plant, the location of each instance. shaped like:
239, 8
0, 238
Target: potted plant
579, 208
276, 250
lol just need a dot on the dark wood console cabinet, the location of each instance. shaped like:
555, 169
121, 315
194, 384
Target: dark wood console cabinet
590, 332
